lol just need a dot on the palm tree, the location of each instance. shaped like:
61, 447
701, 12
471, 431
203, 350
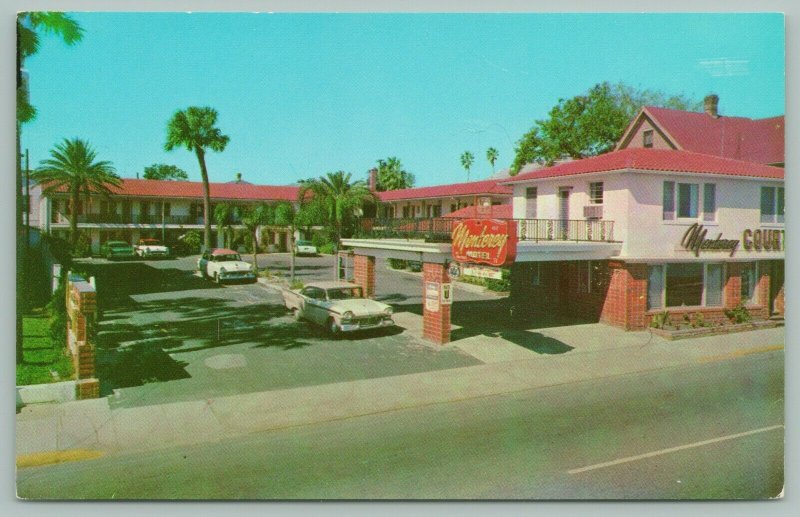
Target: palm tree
285, 214
253, 217
72, 167
467, 159
339, 197
224, 215
492, 155
194, 128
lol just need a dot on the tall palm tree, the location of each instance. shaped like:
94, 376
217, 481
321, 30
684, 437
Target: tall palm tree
72, 166
467, 159
194, 128
338, 195
285, 214
492, 155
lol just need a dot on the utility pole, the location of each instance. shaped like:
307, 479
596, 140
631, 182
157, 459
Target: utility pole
27, 199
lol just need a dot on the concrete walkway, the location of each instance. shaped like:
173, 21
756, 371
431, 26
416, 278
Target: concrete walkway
508, 368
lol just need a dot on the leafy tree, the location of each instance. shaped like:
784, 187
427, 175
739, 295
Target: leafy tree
253, 217
194, 128
285, 215
162, 171
338, 196
225, 215
467, 159
73, 167
392, 175
589, 124
492, 155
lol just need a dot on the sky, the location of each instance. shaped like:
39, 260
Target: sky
301, 95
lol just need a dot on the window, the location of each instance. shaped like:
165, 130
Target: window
709, 202
647, 138
167, 209
684, 285
531, 194
406, 212
655, 287
687, 200
669, 201
437, 211
714, 282
749, 280
453, 208
772, 205
596, 193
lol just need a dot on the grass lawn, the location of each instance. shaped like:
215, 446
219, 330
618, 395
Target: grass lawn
40, 356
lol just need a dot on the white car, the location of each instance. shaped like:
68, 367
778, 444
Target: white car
338, 306
223, 264
304, 248
149, 248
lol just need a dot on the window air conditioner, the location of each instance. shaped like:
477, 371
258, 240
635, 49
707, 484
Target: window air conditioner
593, 211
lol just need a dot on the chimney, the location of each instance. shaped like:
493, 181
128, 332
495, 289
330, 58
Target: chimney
710, 105
373, 179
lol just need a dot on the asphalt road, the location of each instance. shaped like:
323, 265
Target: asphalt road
711, 430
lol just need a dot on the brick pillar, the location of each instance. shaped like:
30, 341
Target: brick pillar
436, 324
626, 299
364, 274
733, 285
81, 314
636, 296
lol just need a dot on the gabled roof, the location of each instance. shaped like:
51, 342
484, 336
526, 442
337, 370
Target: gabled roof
443, 191
739, 138
654, 160
496, 212
194, 189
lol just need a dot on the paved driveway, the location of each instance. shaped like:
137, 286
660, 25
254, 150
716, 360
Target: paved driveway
168, 335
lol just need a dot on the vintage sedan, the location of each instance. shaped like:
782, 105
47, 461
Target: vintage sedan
151, 248
117, 250
304, 248
223, 264
338, 306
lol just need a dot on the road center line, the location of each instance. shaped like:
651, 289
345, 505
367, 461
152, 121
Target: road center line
673, 449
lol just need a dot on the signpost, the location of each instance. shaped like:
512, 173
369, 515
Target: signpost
447, 294
432, 296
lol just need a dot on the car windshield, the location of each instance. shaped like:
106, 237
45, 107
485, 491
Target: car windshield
229, 257
344, 293
150, 242
304, 243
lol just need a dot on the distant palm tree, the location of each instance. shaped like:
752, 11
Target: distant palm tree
194, 128
224, 215
467, 159
72, 167
253, 217
339, 197
392, 175
492, 155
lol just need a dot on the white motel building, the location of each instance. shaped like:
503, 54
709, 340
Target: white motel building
685, 216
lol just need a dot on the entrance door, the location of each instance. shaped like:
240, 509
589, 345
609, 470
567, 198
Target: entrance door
775, 285
563, 212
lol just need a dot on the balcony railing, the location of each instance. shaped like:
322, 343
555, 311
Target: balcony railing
440, 229
129, 219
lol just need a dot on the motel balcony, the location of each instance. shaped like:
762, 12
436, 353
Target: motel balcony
528, 230
129, 219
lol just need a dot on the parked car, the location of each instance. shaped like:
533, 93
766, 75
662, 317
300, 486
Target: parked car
150, 248
224, 264
117, 250
338, 306
304, 248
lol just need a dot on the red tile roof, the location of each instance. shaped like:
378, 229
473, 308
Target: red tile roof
654, 160
438, 191
497, 212
223, 251
739, 138
194, 189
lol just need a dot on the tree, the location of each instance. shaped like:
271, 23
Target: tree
492, 155
285, 215
392, 176
72, 167
253, 217
589, 124
224, 216
162, 171
194, 128
467, 159
337, 197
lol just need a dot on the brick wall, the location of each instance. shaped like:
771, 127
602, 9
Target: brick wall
625, 304
436, 325
364, 274
81, 314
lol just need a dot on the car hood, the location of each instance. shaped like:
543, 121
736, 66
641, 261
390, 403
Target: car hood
359, 306
235, 266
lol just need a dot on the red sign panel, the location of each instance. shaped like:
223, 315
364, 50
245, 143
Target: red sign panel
485, 241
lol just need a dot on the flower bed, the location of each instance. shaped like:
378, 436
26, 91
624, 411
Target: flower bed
683, 333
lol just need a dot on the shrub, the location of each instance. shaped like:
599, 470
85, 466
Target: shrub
502, 285
397, 263
700, 320
738, 314
328, 248
83, 246
296, 284
58, 314
192, 240
265, 273
660, 320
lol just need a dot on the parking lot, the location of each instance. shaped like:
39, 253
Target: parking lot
168, 335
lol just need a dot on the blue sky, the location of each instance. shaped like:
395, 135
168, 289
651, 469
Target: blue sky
304, 94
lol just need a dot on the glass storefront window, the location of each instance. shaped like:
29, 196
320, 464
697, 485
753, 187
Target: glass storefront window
714, 279
655, 287
684, 285
749, 280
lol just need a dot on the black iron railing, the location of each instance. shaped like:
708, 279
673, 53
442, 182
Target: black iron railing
439, 229
129, 219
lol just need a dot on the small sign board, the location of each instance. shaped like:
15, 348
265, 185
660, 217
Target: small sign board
447, 294
454, 270
483, 272
432, 296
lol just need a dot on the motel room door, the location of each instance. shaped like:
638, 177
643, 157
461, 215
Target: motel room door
563, 211
775, 283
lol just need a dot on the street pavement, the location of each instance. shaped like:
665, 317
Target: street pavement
703, 430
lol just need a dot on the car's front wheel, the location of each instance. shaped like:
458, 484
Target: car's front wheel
216, 278
333, 328
296, 314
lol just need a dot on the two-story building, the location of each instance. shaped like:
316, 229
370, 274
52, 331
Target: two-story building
694, 233
154, 208
441, 200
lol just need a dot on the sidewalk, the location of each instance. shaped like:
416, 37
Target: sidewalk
93, 425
